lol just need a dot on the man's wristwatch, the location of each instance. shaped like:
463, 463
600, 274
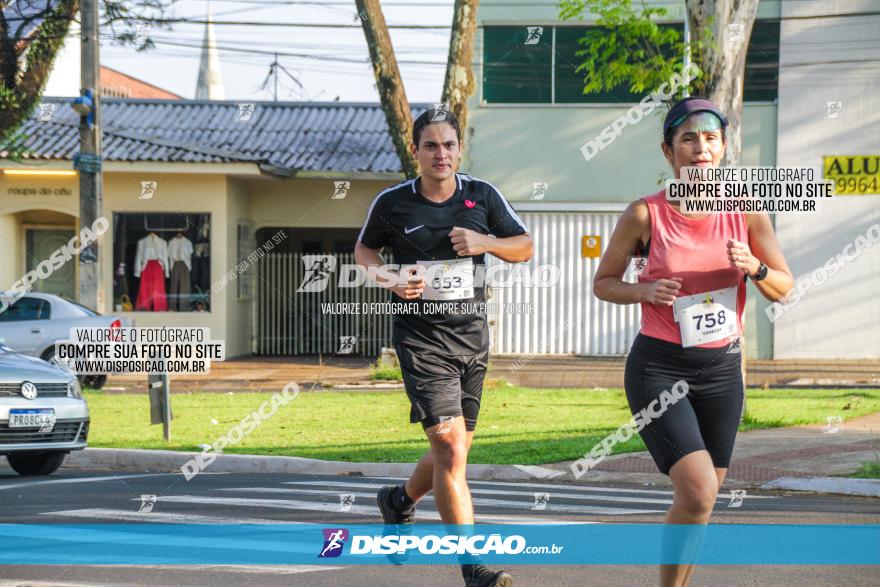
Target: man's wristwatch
761, 273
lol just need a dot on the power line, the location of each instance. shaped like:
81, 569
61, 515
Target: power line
311, 48
317, 25
349, 3
365, 60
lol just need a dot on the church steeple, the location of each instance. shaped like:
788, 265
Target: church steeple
210, 84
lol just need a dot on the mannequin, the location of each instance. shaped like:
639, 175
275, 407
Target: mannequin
180, 250
202, 266
151, 265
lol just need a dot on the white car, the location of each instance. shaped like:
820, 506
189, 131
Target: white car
35, 321
43, 415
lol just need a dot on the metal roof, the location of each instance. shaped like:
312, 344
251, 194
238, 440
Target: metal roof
282, 137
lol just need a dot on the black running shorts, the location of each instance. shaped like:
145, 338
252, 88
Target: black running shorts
440, 386
706, 418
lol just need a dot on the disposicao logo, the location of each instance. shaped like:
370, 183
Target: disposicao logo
334, 541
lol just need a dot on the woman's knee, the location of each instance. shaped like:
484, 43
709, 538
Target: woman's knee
696, 484
697, 495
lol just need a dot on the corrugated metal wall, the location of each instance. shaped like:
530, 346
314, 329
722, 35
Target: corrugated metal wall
292, 323
567, 319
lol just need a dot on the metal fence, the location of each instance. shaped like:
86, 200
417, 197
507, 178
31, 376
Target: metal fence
288, 322
568, 318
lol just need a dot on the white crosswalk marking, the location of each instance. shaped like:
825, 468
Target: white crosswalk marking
563, 492
539, 503
542, 486
121, 477
515, 504
160, 517
317, 506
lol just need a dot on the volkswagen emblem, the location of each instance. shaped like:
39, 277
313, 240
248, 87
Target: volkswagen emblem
29, 390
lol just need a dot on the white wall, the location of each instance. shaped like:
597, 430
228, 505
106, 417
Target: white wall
567, 318
65, 77
10, 264
515, 146
841, 318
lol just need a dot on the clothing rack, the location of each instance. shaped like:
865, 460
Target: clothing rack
164, 229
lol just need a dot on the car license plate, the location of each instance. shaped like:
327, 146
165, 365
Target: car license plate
44, 419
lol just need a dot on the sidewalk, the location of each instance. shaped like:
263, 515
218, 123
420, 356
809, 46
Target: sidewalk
586, 372
760, 457
257, 374
270, 374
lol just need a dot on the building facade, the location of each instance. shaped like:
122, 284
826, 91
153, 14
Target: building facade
214, 182
228, 177
810, 92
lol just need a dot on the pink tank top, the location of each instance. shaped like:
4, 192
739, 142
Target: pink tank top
696, 251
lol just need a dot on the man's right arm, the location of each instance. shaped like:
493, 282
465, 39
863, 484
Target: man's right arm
368, 257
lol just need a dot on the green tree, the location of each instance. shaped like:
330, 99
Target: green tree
31, 34
630, 48
458, 83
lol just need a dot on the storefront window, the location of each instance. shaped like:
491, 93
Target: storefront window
161, 262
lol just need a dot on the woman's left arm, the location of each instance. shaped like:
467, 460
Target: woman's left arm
762, 247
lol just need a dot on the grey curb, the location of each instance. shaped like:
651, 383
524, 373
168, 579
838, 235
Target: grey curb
844, 485
169, 460
138, 460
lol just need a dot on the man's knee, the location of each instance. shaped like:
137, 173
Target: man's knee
449, 449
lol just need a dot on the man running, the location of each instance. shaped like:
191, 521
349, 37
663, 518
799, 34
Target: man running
695, 267
444, 223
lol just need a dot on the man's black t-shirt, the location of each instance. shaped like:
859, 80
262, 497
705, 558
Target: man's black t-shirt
417, 229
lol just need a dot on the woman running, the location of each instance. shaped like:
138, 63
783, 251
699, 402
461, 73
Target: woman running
692, 293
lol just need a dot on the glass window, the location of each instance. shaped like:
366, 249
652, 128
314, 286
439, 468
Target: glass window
569, 83
27, 308
517, 64
515, 71
161, 262
762, 62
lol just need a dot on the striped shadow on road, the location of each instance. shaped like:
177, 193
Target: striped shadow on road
562, 492
477, 501
556, 487
361, 510
159, 517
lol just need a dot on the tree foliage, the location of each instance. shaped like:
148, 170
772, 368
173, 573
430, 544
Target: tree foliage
627, 48
31, 34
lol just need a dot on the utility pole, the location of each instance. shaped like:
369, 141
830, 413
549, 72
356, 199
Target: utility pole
89, 160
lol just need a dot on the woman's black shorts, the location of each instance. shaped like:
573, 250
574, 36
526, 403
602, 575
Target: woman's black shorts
705, 419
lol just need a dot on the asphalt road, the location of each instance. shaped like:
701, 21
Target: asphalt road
93, 497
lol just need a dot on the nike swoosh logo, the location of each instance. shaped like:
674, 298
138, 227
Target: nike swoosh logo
409, 230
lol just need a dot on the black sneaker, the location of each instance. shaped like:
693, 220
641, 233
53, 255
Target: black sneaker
390, 514
483, 577
396, 522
